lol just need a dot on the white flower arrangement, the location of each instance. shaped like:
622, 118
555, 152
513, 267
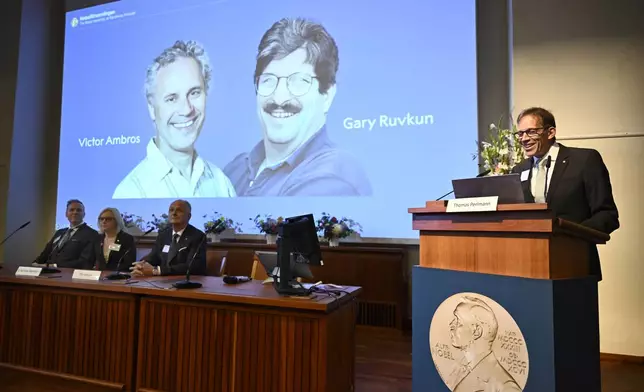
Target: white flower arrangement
501, 151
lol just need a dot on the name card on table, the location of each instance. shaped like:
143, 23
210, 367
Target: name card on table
28, 271
473, 204
86, 275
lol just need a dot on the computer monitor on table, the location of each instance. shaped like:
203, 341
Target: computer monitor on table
506, 187
270, 263
297, 246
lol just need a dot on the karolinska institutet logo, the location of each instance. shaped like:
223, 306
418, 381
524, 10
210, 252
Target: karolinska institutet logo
477, 346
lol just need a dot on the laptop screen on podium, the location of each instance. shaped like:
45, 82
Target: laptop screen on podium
506, 187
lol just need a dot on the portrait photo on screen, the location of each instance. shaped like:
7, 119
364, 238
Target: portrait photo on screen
348, 107
176, 90
295, 84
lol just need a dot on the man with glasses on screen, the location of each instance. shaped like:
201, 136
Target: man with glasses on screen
176, 88
295, 84
573, 181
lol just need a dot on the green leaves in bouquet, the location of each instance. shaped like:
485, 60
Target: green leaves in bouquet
159, 222
331, 227
218, 223
267, 224
501, 150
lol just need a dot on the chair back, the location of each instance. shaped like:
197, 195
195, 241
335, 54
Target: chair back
216, 262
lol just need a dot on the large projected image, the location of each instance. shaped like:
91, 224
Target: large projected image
244, 107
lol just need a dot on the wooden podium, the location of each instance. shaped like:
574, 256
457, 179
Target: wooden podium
535, 266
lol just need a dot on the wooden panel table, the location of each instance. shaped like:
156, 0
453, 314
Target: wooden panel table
148, 336
84, 331
381, 271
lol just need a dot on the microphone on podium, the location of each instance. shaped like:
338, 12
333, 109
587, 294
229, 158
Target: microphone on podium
14, 232
118, 275
187, 284
482, 174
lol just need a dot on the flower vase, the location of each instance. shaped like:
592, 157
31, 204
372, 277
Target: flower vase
214, 237
134, 230
228, 233
334, 242
271, 239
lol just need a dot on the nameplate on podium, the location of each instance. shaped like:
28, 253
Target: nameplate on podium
473, 204
86, 275
28, 271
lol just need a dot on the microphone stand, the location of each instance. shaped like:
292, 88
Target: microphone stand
118, 275
445, 195
12, 233
483, 174
47, 269
187, 284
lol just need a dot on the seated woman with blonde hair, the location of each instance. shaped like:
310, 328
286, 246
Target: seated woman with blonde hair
115, 249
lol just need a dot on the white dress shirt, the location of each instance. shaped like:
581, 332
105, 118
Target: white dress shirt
537, 190
156, 177
180, 232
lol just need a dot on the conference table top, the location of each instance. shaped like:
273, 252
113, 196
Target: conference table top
213, 289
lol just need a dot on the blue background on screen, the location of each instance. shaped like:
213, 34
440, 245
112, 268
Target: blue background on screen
407, 56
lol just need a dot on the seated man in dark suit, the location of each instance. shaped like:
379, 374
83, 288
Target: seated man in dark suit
573, 181
72, 247
175, 246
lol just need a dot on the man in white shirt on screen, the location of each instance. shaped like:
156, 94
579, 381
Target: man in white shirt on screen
176, 88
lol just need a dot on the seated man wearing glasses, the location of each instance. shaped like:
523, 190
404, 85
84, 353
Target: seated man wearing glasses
573, 181
295, 72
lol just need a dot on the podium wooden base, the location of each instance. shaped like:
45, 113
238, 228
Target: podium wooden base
558, 320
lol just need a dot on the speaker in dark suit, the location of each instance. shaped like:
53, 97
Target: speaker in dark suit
72, 247
573, 181
122, 249
175, 246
